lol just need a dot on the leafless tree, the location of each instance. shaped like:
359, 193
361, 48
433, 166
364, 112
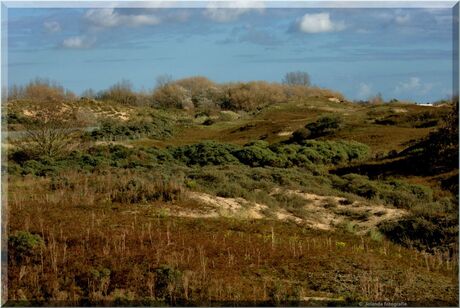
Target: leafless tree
297, 79
51, 130
121, 92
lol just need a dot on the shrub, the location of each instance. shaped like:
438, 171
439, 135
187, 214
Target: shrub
420, 192
202, 91
157, 127
33, 167
393, 192
293, 203
120, 92
161, 156
194, 92
252, 95
172, 96
359, 185
205, 153
167, 283
52, 131
423, 232
258, 155
333, 151
41, 90
301, 135
325, 126
23, 244
375, 235
399, 199
122, 297
97, 158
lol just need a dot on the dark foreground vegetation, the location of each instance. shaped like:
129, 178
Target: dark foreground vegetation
103, 207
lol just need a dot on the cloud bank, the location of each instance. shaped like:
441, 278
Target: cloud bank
109, 18
317, 23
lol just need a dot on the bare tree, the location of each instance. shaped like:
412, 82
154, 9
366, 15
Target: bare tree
121, 92
51, 131
297, 79
42, 89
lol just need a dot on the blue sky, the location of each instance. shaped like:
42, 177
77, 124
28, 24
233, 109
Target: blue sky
401, 53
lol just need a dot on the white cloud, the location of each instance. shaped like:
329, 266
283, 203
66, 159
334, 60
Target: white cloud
108, 18
364, 90
78, 42
52, 26
414, 84
230, 11
321, 22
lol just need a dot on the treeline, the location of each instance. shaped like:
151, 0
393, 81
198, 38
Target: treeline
40, 89
193, 93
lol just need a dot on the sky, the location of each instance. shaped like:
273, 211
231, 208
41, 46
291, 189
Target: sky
403, 53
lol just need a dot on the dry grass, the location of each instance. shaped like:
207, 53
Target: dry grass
98, 251
113, 239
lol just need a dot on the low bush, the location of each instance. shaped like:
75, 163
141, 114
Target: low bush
258, 154
159, 127
152, 125
205, 153
261, 154
423, 232
23, 244
168, 282
324, 126
417, 120
392, 192
251, 95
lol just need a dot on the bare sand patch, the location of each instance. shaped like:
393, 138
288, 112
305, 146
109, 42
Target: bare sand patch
286, 133
319, 212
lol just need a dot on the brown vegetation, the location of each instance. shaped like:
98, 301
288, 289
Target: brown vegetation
207, 198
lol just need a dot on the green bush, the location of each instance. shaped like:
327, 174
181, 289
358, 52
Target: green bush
420, 192
205, 153
300, 135
167, 283
333, 152
96, 158
258, 154
423, 232
418, 120
392, 192
23, 244
32, 167
324, 126
156, 126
